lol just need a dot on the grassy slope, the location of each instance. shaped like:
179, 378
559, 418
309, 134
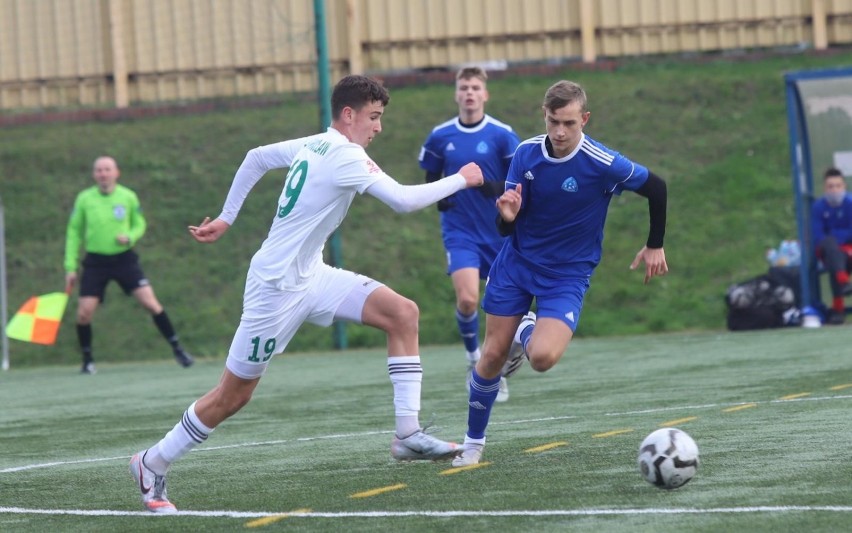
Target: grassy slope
715, 130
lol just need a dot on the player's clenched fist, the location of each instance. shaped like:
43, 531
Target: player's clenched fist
472, 174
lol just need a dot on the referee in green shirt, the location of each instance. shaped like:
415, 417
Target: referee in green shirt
107, 221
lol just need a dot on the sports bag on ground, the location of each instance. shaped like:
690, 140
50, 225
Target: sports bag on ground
761, 302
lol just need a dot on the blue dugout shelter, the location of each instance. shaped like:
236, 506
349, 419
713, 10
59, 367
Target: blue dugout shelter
819, 116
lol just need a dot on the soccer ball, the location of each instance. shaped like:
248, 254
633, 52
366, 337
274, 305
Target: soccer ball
668, 458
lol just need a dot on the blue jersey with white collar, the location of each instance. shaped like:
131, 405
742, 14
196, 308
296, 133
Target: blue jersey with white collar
559, 229
832, 220
451, 145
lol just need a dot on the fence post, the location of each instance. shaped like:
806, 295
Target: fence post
119, 63
324, 97
587, 31
3, 286
818, 26
353, 16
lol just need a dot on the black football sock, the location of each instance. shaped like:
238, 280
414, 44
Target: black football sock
84, 336
165, 326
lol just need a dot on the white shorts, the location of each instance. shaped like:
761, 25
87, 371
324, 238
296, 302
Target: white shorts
271, 316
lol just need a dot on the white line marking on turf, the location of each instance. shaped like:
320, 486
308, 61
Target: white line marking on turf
60, 463
721, 405
367, 433
206, 449
444, 514
298, 439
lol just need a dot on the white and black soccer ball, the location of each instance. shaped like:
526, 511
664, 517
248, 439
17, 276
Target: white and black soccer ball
668, 458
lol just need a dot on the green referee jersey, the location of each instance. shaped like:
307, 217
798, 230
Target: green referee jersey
98, 219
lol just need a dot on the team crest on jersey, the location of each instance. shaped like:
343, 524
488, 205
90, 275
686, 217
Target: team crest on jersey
372, 168
119, 212
569, 185
482, 147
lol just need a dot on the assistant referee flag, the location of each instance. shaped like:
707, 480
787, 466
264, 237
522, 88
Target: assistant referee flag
38, 319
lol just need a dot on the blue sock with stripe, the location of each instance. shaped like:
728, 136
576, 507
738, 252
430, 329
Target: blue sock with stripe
469, 329
483, 392
525, 335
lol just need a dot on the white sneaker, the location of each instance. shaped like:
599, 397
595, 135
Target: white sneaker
152, 486
503, 391
421, 446
517, 355
471, 454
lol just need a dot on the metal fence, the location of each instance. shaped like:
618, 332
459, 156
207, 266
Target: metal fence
113, 53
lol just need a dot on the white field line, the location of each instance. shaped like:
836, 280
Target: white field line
205, 449
446, 514
368, 433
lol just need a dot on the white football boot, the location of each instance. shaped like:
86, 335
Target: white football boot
503, 391
152, 486
517, 355
420, 446
471, 453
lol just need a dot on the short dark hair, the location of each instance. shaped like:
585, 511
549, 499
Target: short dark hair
832, 172
356, 92
563, 93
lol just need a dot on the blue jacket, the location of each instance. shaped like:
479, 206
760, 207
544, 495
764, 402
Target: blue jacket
828, 220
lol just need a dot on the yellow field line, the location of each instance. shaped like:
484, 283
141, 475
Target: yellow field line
376, 492
545, 447
841, 387
677, 421
612, 433
739, 407
456, 470
794, 396
272, 519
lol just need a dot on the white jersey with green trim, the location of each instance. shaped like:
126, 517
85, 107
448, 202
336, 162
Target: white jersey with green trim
326, 171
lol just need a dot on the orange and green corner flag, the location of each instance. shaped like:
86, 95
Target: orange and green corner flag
38, 319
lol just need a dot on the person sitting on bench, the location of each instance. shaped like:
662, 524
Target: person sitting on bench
831, 218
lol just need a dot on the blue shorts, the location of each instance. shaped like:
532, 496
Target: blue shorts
462, 253
511, 287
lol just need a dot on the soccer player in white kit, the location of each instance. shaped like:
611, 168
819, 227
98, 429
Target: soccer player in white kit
288, 284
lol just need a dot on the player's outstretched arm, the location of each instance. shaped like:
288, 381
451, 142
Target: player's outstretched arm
209, 230
408, 198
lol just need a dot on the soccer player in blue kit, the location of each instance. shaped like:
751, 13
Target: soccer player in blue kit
557, 194
470, 236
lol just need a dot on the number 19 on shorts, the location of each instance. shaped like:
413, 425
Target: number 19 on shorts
268, 350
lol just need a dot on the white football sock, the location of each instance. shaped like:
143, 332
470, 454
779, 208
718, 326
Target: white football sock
406, 375
186, 435
473, 443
